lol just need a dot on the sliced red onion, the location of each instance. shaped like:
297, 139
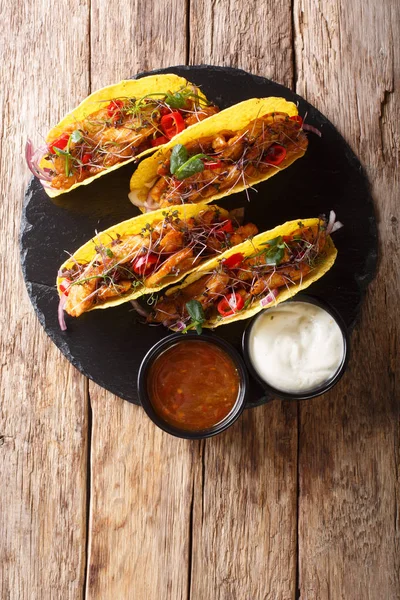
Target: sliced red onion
32, 160
332, 219
150, 205
61, 317
269, 298
135, 200
337, 225
307, 127
139, 309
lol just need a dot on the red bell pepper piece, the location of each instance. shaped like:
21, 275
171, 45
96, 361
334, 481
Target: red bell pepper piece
144, 264
213, 164
275, 154
114, 107
227, 227
230, 304
165, 111
172, 123
60, 143
158, 141
233, 261
87, 157
64, 286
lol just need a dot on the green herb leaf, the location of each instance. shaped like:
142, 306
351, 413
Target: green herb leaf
275, 241
274, 255
109, 253
196, 314
179, 156
76, 136
176, 100
60, 152
191, 167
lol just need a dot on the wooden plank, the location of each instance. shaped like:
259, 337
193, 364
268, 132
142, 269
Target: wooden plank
348, 65
244, 526
142, 480
140, 505
255, 36
43, 418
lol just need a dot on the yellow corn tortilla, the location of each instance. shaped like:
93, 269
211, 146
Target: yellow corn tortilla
131, 88
249, 247
87, 252
233, 119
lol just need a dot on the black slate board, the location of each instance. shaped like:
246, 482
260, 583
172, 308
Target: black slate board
108, 345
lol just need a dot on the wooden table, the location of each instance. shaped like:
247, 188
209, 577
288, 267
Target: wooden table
295, 500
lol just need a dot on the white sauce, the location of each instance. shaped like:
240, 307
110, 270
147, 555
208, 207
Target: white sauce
296, 346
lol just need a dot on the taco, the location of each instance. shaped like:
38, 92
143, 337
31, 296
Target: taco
267, 269
229, 152
114, 126
144, 254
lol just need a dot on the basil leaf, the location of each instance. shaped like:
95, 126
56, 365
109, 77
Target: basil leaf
195, 311
274, 255
179, 156
76, 136
190, 167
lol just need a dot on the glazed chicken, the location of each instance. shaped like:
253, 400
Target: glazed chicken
163, 251
230, 159
238, 281
121, 129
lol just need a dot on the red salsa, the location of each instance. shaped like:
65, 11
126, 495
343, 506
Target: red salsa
193, 385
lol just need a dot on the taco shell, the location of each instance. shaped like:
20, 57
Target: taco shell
135, 88
87, 252
233, 119
249, 247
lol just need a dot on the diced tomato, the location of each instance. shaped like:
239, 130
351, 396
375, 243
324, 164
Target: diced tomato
86, 158
275, 154
144, 264
298, 119
60, 143
64, 286
227, 227
172, 123
158, 141
213, 164
114, 107
233, 261
230, 304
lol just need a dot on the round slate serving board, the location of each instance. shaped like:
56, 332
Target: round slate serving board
108, 345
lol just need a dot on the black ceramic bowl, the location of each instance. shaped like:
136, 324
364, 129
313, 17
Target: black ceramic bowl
318, 391
206, 338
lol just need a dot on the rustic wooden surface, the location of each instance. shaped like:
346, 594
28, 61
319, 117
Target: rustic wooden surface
293, 501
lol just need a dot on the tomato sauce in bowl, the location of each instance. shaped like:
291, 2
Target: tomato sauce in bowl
193, 386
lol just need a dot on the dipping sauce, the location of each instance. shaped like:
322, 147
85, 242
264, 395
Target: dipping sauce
193, 385
296, 347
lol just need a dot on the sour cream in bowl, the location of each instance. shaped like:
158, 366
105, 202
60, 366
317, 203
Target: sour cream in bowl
298, 349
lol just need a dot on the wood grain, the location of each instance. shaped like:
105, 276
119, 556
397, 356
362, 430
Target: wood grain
142, 479
244, 527
348, 66
222, 519
140, 505
245, 511
43, 420
255, 36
